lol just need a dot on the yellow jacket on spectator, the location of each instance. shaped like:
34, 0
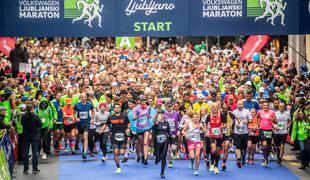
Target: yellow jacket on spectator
197, 107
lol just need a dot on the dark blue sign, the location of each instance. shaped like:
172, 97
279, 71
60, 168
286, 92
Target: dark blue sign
60, 18
244, 17
100, 18
304, 24
152, 17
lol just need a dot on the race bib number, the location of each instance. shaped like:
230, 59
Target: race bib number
161, 138
281, 125
83, 114
43, 120
69, 120
172, 125
240, 129
268, 134
216, 131
119, 136
143, 122
194, 137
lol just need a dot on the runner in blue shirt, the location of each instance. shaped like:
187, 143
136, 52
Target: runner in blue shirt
249, 103
84, 119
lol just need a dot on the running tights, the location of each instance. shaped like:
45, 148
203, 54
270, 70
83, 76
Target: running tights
161, 153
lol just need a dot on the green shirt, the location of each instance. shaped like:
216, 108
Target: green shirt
301, 130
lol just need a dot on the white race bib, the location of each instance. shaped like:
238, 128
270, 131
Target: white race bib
161, 138
119, 136
172, 125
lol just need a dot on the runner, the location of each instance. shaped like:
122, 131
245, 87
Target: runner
70, 125
281, 130
58, 129
203, 117
84, 119
192, 133
120, 129
185, 120
253, 137
266, 119
133, 138
161, 139
217, 121
243, 117
142, 115
100, 119
173, 118
227, 134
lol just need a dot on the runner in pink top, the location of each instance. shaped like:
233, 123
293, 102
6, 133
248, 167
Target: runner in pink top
266, 119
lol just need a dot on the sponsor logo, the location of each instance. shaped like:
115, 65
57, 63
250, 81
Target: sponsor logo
266, 9
86, 10
221, 8
39, 9
147, 6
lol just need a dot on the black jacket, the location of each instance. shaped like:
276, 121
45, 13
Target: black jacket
31, 124
18, 55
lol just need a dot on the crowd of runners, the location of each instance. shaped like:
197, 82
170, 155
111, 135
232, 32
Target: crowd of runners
166, 101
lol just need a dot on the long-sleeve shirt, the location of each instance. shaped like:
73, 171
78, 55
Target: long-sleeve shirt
301, 130
101, 118
31, 124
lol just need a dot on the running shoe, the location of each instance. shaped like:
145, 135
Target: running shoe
124, 160
251, 161
118, 171
66, 147
279, 162
248, 161
196, 173
84, 156
60, 147
35, 171
239, 164
103, 159
216, 170
170, 165
44, 156
271, 155
145, 162
243, 160
138, 159
191, 166
208, 164
162, 176
265, 163
212, 168
73, 152
224, 167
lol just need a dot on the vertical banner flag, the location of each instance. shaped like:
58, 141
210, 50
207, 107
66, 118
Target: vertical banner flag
252, 45
6, 45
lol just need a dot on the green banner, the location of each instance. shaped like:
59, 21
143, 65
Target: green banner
4, 170
125, 42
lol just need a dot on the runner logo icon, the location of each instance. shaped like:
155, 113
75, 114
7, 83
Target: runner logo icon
87, 10
269, 9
